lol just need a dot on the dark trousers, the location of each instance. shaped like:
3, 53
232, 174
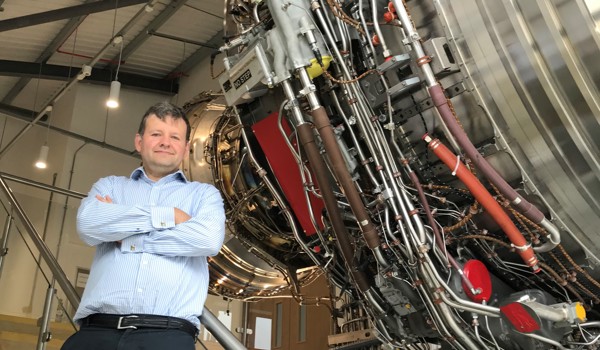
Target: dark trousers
96, 338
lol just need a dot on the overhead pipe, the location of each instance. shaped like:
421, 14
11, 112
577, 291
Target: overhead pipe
486, 200
441, 103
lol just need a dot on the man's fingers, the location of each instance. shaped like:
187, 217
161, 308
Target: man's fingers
105, 199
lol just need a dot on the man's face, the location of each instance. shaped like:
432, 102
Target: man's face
162, 146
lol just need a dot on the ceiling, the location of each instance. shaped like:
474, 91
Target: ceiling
46, 43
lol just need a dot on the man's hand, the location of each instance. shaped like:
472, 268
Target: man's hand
181, 216
105, 199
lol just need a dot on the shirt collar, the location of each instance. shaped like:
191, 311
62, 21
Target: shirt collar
140, 173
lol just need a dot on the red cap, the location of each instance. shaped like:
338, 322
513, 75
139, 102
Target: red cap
388, 17
476, 272
391, 7
375, 40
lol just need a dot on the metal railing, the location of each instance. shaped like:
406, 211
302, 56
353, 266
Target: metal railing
17, 213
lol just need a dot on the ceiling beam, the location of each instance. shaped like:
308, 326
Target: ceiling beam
64, 33
158, 21
65, 13
99, 75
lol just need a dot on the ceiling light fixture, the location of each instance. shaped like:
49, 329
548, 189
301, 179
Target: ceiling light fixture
43, 158
115, 85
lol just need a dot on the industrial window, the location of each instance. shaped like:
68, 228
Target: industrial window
302, 324
278, 325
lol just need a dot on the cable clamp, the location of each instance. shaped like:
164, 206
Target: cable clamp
521, 248
456, 166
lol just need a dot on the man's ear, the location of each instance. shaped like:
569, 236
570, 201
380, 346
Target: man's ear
138, 142
187, 147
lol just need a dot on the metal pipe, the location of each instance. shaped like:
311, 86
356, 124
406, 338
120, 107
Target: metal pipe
183, 40
412, 36
71, 134
44, 233
302, 170
545, 340
441, 103
246, 308
49, 259
263, 175
367, 36
44, 335
361, 154
219, 331
4, 248
479, 308
41, 185
386, 51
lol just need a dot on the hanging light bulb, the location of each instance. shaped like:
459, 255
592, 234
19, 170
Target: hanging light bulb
113, 96
115, 85
43, 158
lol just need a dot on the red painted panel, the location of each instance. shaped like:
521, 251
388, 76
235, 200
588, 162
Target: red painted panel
285, 169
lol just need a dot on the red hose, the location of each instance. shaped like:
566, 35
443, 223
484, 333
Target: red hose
487, 201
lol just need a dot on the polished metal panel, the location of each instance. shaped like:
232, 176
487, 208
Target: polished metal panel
533, 66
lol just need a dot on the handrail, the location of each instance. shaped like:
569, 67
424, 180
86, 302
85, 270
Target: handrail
45, 253
208, 319
42, 185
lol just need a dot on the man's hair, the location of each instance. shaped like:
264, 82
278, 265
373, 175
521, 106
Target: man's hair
162, 110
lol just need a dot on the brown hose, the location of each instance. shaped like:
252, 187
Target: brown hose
342, 174
306, 138
439, 99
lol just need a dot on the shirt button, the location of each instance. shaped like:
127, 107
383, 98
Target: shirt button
145, 262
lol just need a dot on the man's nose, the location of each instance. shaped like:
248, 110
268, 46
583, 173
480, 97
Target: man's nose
165, 141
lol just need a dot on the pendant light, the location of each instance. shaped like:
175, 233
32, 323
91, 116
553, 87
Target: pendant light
115, 85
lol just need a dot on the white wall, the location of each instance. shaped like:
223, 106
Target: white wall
198, 80
77, 166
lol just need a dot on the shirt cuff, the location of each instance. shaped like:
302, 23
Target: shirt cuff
162, 217
133, 244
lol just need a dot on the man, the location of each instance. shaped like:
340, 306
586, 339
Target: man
152, 232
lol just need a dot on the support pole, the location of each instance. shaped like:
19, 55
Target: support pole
4, 247
44, 335
219, 331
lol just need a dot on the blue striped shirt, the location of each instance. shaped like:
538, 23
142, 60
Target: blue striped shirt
159, 267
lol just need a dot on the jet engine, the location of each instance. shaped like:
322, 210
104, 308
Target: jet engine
437, 161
